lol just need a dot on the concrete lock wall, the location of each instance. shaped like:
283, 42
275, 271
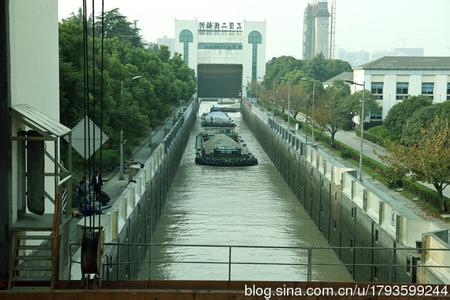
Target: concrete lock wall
142, 221
136, 212
347, 212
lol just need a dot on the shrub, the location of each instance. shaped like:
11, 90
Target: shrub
399, 114
346, 154
392, 178
422, 192
382, 132
378, 135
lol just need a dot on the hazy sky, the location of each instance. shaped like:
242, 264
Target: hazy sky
361, 24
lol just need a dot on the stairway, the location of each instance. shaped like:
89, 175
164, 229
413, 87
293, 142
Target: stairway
31, 259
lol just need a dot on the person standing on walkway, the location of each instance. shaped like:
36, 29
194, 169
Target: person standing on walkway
97, 182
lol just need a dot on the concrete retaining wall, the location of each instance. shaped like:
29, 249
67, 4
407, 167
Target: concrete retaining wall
347, 212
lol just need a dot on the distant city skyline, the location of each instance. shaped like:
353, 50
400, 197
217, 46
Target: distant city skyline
356, 58
361, 25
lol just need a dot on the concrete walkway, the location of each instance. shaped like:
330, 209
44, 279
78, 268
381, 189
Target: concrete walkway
371, 150
114, 186
409, 208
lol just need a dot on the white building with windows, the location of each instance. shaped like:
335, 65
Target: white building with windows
393, 78
226, 56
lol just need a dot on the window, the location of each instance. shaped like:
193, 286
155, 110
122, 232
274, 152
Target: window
428, 89
448, 91
377, 90
376, 235
408, 265
402, 90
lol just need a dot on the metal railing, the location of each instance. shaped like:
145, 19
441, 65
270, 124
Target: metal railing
112, 259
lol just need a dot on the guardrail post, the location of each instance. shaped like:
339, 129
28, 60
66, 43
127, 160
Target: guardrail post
103, 266
129, 255
108, 266
150, 262
309, 272
229, 263
391, 273
117, 258
70, 261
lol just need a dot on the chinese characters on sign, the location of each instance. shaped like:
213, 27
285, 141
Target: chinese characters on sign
224, 26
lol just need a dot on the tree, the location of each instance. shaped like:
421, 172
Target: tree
428, 159
399, 114
323, 69
352, 105
423, 118
330, 112
293, 70
142, 103
278, 67
117, 25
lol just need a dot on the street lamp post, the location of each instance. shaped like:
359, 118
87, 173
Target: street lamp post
121, 155
273, 107
289, 106
255, 84
361, 124
122, 142
313, 110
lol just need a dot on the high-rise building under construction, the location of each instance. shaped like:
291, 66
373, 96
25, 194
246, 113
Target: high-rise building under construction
318, 29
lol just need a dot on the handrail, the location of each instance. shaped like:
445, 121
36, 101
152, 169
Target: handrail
56, 239
309, 263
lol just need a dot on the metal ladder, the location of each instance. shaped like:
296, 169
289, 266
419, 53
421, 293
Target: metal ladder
31, 259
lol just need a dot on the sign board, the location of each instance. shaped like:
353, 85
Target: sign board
79, 140
220, 26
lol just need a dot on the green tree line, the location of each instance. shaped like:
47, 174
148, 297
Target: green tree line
419, 143
133, 106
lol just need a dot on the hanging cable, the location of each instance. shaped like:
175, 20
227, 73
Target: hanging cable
102, 95
84, 186
94, 118
88, 116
